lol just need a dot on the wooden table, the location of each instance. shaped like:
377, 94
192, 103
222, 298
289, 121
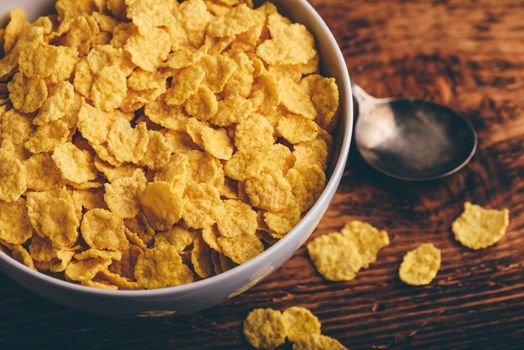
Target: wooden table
468, 54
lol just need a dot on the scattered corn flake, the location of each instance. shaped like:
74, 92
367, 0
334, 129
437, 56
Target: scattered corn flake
238, 219
126, 143
13, 177
48, 136
42, 173
254, 132
53, 214
296, 129
15, 227
368, 238
149, 49
420, 265
318, 342
161, 267
121, 195
300, 323
269, 191
27, 94
177, 236
202, 205
75, 164
335, 257
479, 228
240, 249
162, 206
265, 328
102, 229
325, 97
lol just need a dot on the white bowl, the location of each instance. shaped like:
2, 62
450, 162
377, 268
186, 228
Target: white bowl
211, 291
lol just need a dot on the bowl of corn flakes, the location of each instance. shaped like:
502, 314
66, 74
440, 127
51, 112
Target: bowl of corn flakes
158, 156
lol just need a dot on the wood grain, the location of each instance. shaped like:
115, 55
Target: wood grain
468, 54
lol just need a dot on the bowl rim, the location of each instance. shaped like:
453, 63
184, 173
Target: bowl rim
331, 187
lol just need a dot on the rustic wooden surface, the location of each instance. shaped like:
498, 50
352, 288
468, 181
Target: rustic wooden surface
468, 54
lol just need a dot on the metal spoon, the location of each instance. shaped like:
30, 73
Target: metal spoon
412, 139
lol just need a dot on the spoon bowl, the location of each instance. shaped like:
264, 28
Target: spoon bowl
412, 139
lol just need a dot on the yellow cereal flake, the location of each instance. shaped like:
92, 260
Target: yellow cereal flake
102, 229
185, 84
281, 223
203, 105
126, 143
53, 214
265, 328
62, 103
13, 178
158, 151
240, 249
325, 97
269, 191
236, 21
238, 219
194, 18
149, 14
231, 110
335, 257
177, 236
295, 100
289, 43
89, 199
318, 342
368, 238
204, 168
121, 195
42, 173
210, 237
15, 227
27, 94
141, 228
46, 137
297, 129
161, 267
202, 205
420, 265
300, 323
479, 228
201, 258
86, 269
20, 254
170, 117
254, 132
149, 49
217, 143
76, 165
40, 60
162, 205
307, 183
279, 157
109, 89
81, 34
103, 56
93, 123
241, 81
175, 172
218, 70
312, 152
14, 29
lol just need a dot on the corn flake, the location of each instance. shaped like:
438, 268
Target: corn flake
202, 205
297, 129
13, 178
27, 94
42, 173
300, 323
158, 151
318, 342
325, 97
76, 165
369, 240
479, 228
177, 236
102, 229
269, 191
121, 195
15, 227
238, 219
126, 143
149, 49
254, 132
185, 84
420, 265
48, 136
162, 206
265, 328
